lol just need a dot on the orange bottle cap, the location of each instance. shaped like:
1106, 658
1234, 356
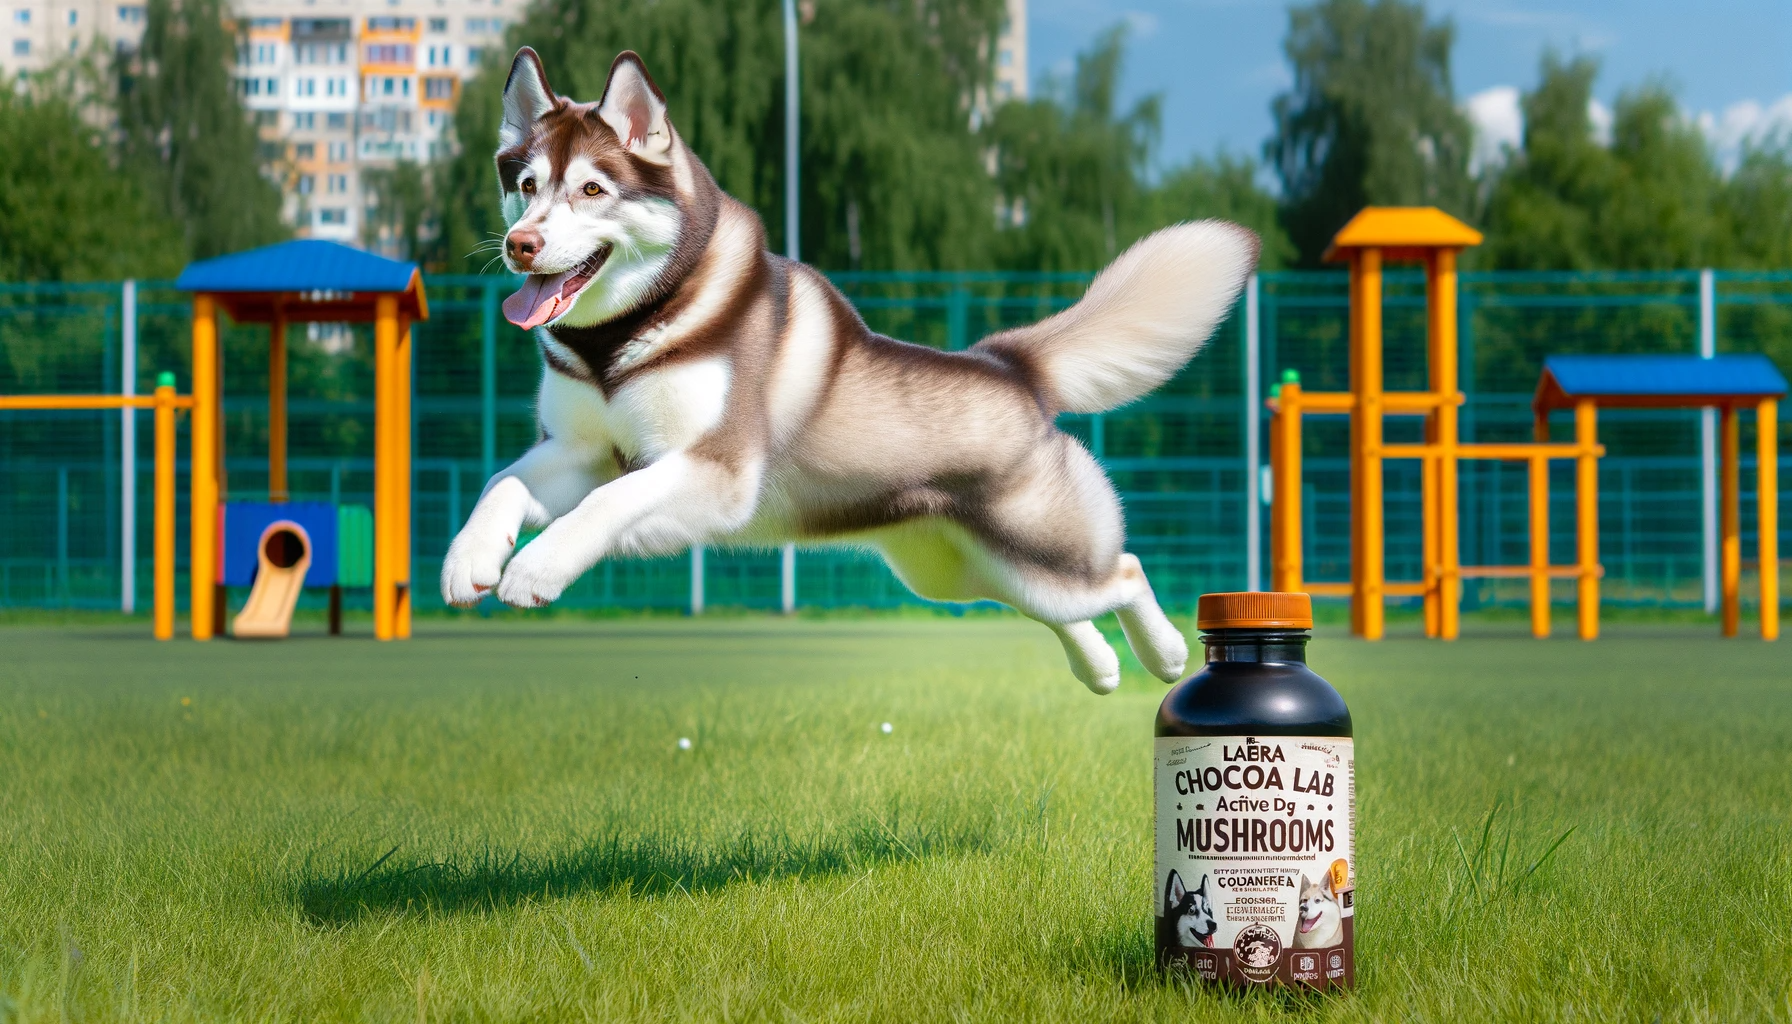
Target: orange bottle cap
1254, 609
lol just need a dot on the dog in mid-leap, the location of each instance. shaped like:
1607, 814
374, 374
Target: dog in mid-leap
698, 389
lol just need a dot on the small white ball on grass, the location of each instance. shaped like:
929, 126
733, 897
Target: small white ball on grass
888, 728
684, 743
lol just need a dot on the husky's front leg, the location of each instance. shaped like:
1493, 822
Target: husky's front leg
545, 483
680, 500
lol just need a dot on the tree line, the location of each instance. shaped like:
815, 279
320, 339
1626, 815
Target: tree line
907, 160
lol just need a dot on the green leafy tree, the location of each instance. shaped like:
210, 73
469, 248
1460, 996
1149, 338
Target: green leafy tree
1651, 199
85, 221
1371, 118
399, 214
1073, 173
887, 154
186, 134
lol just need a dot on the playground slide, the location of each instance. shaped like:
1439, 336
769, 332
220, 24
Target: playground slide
284, 555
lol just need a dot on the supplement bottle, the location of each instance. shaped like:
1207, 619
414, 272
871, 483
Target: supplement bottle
1256, 805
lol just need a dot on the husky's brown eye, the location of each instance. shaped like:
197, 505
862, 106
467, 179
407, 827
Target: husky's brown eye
528, 186
592, 188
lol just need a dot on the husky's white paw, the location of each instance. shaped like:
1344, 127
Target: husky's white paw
1092, 661
1159, 645
536, 576
474, 564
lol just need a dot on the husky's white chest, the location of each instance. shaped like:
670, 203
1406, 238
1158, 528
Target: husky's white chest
652, 414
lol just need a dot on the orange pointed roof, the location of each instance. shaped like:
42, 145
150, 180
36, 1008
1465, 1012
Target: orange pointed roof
1403, 232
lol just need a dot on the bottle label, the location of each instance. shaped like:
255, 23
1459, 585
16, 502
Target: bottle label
1256, 864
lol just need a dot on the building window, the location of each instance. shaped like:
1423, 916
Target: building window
438, 24
305, 87
267, 53
22, 16
271, 24
438, 88
21, 48
304, 122
474, 55
304, 151
476, 25
332, 215
390, 53
338, 152
441, 57
131, 14
338, 184
336, 120
306, 184
73, 17
391, 24
270, 86
267, 119
336, 87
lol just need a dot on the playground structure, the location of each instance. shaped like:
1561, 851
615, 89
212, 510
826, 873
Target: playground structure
165, 403
298, 282
1731, 383
1381, 235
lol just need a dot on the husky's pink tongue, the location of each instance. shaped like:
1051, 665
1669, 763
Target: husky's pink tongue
537, 301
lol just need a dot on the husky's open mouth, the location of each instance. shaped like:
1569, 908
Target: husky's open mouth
545, 296
1307, 924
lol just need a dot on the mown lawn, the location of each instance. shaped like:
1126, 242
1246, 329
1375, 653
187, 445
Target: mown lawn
495, 822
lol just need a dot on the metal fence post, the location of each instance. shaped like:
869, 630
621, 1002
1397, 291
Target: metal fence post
1708, 443
127, 449
696, 579
958, 317
1253, 489
488, 382
62, 533
787, 579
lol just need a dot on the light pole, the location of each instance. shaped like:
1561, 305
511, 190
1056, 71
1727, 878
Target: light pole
792, 221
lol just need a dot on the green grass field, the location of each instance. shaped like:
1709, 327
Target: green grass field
495, 822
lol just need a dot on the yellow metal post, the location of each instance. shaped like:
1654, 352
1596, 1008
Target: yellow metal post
1767, 512
164, 513
385, 352
277, 491
1729, 519
1285, 504
1539, 482
1586, 515
1430, 510
1367, 569
1441, 305
203, 563
401, 482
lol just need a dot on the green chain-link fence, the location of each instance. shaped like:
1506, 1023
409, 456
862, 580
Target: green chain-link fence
1180, 457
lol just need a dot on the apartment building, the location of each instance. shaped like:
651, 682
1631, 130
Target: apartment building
343, 87
339, 88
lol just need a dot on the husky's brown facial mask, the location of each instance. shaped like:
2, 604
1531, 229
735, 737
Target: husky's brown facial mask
591, 194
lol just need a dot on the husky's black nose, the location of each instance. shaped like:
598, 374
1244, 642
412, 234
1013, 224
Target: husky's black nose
523, 245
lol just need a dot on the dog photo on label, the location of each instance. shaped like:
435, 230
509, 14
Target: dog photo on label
1188, 916
700, 390
1321, 923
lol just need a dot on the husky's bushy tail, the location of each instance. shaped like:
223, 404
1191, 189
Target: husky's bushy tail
1142, 318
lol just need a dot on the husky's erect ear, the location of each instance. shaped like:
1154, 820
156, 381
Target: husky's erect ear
633, 107
1173, 891
527, 98
1202, 888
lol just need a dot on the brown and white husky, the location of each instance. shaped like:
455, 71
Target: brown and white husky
698, 389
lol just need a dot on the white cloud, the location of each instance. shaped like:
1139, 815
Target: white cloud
1499, 125
1601, 117
1142, 24
1745, 123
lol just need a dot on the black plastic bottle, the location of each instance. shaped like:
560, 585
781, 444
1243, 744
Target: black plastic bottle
1256, 805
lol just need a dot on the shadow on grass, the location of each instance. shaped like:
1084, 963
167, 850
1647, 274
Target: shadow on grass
642, 865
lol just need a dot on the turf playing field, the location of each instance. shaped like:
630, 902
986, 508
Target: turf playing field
496, 822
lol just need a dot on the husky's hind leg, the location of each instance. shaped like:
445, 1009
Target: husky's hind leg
1092, 661
1159, 645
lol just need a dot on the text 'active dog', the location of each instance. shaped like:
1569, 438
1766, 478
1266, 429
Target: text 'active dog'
698, 389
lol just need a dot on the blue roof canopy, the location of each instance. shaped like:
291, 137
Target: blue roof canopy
1658, 380
305, 279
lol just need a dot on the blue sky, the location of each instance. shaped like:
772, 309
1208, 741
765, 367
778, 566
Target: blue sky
1218, 63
